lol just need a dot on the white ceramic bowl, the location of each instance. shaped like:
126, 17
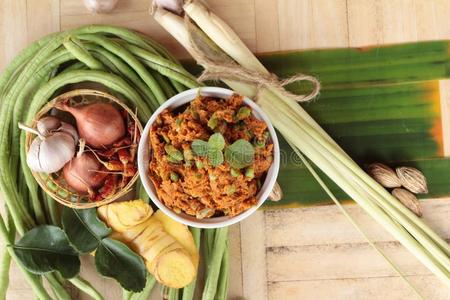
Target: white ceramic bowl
144, 158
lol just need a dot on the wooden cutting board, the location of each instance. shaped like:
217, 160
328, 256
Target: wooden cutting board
303, 253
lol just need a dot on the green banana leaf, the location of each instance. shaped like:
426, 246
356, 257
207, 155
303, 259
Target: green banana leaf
380, 104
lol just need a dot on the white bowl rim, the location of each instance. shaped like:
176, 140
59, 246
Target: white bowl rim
217, 222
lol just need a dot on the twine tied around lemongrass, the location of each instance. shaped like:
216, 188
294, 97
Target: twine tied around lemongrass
222, 67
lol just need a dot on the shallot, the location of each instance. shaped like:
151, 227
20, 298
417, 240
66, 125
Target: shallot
99, 124
84, 172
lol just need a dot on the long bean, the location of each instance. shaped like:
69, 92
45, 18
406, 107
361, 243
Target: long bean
145, 294
189, 291
74, 46
110, 80
118, 50
86, 287
58, 289
214, 262
222, 289
124, 69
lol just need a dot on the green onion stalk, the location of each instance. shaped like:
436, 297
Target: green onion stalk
216, 41
142, 72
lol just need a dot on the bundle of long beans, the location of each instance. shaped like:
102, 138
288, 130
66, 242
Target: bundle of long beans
126, 63
217, 41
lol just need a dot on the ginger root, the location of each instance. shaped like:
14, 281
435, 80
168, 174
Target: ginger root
167, 246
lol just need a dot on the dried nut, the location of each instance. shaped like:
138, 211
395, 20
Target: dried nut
408, 199
276, 194
412, 179
384, 175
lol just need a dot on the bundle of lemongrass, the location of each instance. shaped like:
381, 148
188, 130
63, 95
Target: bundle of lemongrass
218, 43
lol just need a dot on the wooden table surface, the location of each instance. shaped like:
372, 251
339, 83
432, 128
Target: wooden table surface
303, 253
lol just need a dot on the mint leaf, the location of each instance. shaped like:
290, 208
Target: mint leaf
45, 249
83, 228
114, 259
215, 157
216, 141
200, 148
240, 154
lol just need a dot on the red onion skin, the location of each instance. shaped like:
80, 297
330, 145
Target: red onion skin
79, 174
99, 124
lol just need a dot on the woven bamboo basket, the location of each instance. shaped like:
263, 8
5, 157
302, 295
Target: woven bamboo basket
54, 184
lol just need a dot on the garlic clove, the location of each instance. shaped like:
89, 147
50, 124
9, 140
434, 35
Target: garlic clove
69, 129
48, 124
100, 6
33, 155
56, 151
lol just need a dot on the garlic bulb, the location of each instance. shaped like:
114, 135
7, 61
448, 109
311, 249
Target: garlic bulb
100, 6
53, 147
50, 154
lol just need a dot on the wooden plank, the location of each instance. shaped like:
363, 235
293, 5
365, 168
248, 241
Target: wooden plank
326, 225
235, 274
42, 18
444, 87
392, 288
266, 23
334, 261
312, 24
13, 30
253, 247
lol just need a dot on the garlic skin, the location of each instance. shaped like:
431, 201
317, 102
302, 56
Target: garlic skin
175, 6
51, 153
69, 129
47, 125
100, 6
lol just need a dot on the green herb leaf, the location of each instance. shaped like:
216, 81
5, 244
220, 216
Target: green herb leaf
213, 121
240, 154
216, 141
173, 152
215, 157
200, 147
45, 249
114, 259
83, 228
243, 113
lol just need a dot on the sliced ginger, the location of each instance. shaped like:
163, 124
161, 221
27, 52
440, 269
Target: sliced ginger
167, 246
175, 269
180, 232
121, 216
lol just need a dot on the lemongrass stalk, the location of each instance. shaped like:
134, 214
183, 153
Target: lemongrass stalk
231, 44
360, 196
350, 169
352, 221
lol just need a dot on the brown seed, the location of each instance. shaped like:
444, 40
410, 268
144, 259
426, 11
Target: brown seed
409, 200
384, 175
276, 194
412, 179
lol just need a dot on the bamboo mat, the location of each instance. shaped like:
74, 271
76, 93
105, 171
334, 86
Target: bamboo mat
302, 253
